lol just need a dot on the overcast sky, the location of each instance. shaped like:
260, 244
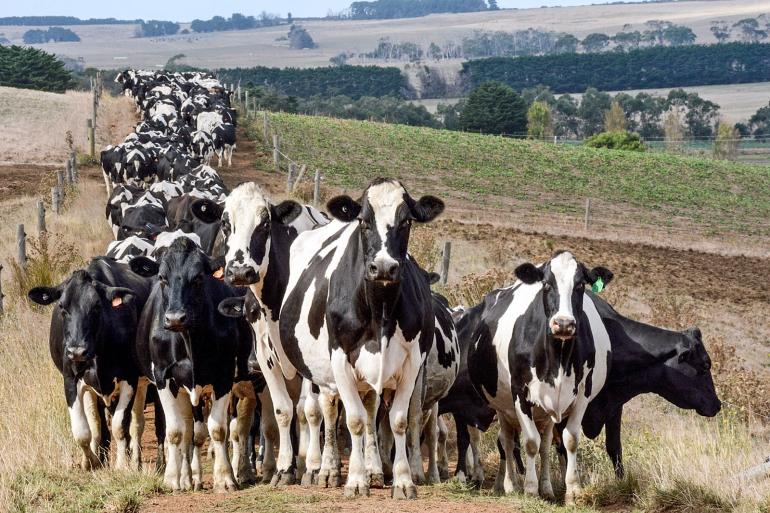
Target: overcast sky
187, 10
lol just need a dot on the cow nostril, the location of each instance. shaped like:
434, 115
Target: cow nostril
373, 269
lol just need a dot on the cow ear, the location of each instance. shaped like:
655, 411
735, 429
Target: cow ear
600, 272
529, 273
344, 208
206, 210
217, 267
433, 278
695, 332
119, 296
44, 295
232, 306
144, 266
427, 209
286, 211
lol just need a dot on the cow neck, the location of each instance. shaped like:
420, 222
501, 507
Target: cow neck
551, 354
274, 273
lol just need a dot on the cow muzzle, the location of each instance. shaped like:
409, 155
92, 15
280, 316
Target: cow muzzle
385, 272
241, 276
175, 320
77, 354
563, 327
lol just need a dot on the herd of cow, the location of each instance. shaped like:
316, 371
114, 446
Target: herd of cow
251, 321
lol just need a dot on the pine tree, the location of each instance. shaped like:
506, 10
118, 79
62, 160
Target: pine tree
31, 68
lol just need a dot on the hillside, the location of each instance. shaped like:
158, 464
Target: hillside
535, 180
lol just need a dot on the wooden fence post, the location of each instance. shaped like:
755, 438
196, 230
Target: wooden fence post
445, 262
60, 183
1, 289
55, 200
266, 127
587, 221
40, 217
292, 171
277, 153
317, 187
74, 159
301, 174
67, 173
21, 245
91, 137
246, 103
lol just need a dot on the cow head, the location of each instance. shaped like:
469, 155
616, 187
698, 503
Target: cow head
688, 380
146, 221
563, 281
248, 220
87, 309
385, 214
182, 274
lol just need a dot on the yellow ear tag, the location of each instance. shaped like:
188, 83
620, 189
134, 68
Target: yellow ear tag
116, 302
219, 273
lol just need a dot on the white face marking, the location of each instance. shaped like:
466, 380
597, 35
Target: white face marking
384, 200
246, 207
564, 267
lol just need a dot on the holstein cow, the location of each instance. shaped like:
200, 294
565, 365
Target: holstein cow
538, 362
223, 137
93, 327
257, 237
357, 318
189, 349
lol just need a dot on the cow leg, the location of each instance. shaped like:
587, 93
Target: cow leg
371, 452
136, 428
386, 447
431, 440
254, 431
312, 412
81, 430
508, 434
175, 428
195, 444
120, 422
160, 434
414, 429
403, 486
544, 484
499, 486
477, 474
240, 434
224, 480
94, 419
329, 475
613, 442
443, 458
463, 442
283, 409
571, 437
230, 155
302, 429
268, 438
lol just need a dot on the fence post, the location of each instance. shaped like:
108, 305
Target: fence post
266, 127
21, 245
91, 137
60, 183
277, 153
40, 217
74, 159
301, 174
1, 289
587, 222
289, 176
445, 262
68, 173
246, 103
55, 200
317, 187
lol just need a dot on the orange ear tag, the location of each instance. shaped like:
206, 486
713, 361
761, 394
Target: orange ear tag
116, 302
219, 273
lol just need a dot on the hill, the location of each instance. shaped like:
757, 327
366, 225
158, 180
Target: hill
534, 179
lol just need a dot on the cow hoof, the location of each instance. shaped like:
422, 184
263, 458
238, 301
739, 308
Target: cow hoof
546, 491
283, 478
249, 478
267, 477
530, 489
443, 474
197, 486
310, 478
571, 496
476, 485
226, 486
352, 491
377, 481
404, 492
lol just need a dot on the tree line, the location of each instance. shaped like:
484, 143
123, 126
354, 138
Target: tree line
53, 34
387, 9
236, 21
657, 67
156, 28
61, 20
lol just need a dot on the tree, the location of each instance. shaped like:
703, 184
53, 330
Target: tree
30, 68
566, 43
627, 40
565, 117
289, 19
674, 130
493, 5
432, 83
450, 114
700, 114
593, 105
721, 31
726, 142
494, 108
759, 122
678, 35
53, 34
615, 118
539, 123
299, 38
750, 31
595, 42
616, 140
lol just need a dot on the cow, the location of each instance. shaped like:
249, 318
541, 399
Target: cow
357, 318
257, 236
180, 216
120, 196
125, 250
93, 327
223, 138
537, 361
189, 349
145, 220
202, 146
208, 121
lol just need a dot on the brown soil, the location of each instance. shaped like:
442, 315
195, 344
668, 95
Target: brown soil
26, 179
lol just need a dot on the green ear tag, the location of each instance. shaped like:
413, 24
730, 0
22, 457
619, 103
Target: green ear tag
598, 285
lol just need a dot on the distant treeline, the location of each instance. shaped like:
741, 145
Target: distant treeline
53, 34
657, 67
235, 22
386, 9
61, 20
351, 81
156, 28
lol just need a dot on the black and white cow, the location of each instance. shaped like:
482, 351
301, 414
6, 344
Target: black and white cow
536, 359
189, 349
357, 318
93, 327
223, 138
123, 251
257, 237
144, 219
121, 196
202, 146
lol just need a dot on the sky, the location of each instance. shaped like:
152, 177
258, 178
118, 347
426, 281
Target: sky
187, 10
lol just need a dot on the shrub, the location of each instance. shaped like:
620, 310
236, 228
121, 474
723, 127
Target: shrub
616, 140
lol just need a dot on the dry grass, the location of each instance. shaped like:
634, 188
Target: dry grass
36, 123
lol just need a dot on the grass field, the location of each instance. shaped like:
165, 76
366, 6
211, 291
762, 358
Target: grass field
113, 46
514, 176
